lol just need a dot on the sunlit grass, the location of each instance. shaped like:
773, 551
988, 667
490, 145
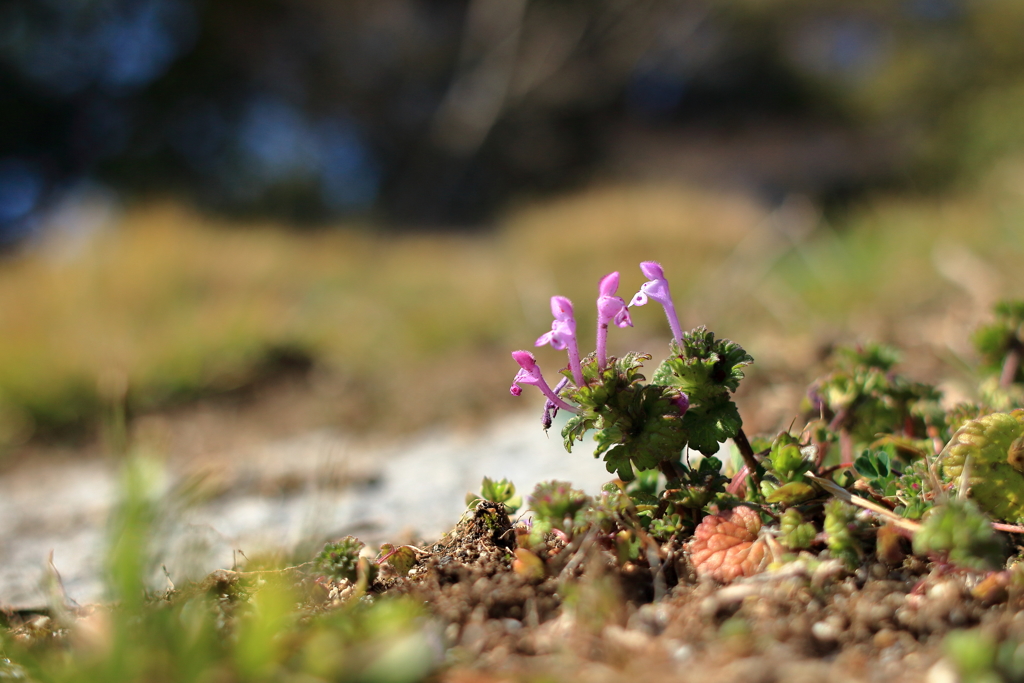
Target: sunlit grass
175, 305
179, 305
896, 256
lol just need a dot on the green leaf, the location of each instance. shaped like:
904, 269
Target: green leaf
617, 462
708, 430
702, 366
786, 459
865, 465
401, 558
792, 493
575, 428
502, 491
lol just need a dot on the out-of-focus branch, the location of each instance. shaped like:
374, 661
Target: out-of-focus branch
487, 62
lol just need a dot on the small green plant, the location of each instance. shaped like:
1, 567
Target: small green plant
664, 528
788, 465
556, 505
960, 533
1001, 347
1000, 343
339, 560
698, 486
795, 533
863, 398
787, 459
879, 470
841, 533
501, 491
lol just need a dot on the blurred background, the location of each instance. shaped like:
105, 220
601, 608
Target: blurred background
225, 220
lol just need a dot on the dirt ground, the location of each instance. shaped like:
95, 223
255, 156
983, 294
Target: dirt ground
595, 621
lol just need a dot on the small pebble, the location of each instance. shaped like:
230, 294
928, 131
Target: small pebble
825, 632
679, 651
942, 672
885, 638
512, 625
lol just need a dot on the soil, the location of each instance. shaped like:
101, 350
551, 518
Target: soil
595, 620
591, 618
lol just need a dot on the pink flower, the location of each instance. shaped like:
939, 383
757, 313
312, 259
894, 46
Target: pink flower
563, 335
609, 308
529, 373
656, 288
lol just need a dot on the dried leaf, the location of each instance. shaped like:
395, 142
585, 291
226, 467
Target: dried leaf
528, 565
725, 546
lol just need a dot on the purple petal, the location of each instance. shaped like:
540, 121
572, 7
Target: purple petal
561, 308
657, 290
652, 270
609, 307
526, 360
528, 376
609, 284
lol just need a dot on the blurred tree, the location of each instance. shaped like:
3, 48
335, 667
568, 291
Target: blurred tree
433, 111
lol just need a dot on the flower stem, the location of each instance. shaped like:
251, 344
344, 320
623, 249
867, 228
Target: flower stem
553, 397
672, 470
1011, 364
673, 321
602, 341
574, 363
743, 444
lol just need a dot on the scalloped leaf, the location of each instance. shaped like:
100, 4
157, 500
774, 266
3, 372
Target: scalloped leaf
617, 462
576, 427
708, 428
726, 546
703, 368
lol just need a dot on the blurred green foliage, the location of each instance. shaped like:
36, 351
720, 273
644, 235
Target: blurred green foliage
958, 531
256, 626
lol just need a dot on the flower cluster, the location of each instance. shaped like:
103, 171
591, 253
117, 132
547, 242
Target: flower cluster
611, 308
639, 424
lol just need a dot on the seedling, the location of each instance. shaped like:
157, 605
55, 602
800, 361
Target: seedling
863, 398
340, 559
557, 506
879, 470
841, 533
1001, 343
501, 491
960, 533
